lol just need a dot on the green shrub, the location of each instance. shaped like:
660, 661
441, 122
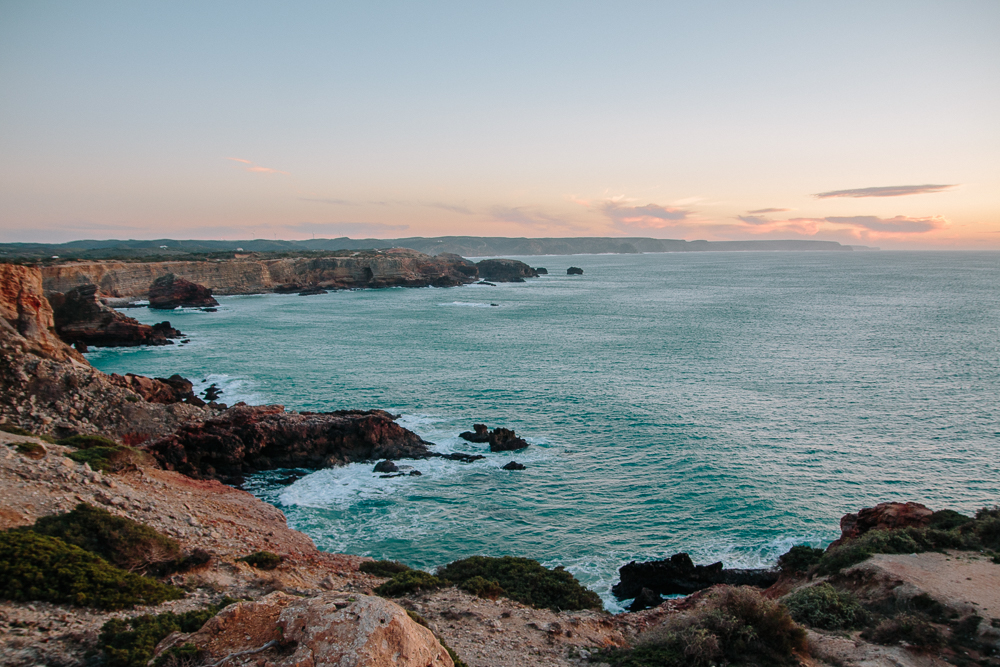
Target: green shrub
14, 430
408, 582
823, 606
736, 626
121, 541
526, 581
262, 560
383, 568
987, 531
948, 520
109, 459
900, 541
799, 558
44, 568
483, 587
130, 642
32, 450
905, 627
87, 442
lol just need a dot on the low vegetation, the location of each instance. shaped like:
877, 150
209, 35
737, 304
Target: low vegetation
484, 588
110, 459
409, 581
86, 441
524, 580
32, 450
130, 642
736, 626
823, 606
800, 559
14, 430
119, 540
383, 568
910, 628
36, 567
262, 560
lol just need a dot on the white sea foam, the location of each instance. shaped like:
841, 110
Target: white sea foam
234, 389
468, 304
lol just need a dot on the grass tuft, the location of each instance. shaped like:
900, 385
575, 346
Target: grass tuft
110, 459
383, 568
32, 450
87, 442
262, 560
526, 581
408, 582
14, 430
45, 568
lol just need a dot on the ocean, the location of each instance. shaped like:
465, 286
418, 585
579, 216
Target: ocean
730, 405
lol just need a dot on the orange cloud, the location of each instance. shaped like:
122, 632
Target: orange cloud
255, 168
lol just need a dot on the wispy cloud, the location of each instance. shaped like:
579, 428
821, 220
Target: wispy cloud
450, 207
649, 216
537, 221
755, 219
858, 224
897, 225
886, 191
761, 211
256, 168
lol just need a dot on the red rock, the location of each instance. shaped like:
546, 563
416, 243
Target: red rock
173, 389
884, 516
27, 314
169, 292
81, 318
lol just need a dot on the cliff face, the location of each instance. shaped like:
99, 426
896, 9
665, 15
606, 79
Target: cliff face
394, 268
26, 316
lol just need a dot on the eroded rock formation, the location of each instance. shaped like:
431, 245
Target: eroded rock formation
679, 575
80, 317
169, 292
884, 516
505, 270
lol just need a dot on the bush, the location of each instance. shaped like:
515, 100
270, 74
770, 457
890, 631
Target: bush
905, 627
32, 450
823, 606
86, 442
735, 626
408, 582
44, 568
109, 459
262, 560
121, 541
484, 588
799, 559
130, 642
14, 430
900, 541
526, 581
383, 568
948, 520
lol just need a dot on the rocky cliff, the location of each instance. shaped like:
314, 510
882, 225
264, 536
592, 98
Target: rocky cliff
26, 316
391, 268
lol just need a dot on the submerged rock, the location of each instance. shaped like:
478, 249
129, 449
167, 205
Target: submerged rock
513, 465
169, 292
678, 575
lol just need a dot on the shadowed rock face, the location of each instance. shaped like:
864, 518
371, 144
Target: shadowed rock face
678, 575
26, 316
247, 439
169, 292
505, 270
80, 317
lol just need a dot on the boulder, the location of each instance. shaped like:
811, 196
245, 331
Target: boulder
328, 630
678, 575
81, 317
504, 440
481, 434
574, 271
169, 292
246, 439
513, 465
385, 466
884, 516
505, 270
646, 599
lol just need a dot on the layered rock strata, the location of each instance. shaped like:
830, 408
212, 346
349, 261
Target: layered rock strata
81, 318
391, 268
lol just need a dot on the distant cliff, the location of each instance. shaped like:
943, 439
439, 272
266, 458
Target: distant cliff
392, 268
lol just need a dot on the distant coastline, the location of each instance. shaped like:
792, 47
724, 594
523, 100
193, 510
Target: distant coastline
466, 246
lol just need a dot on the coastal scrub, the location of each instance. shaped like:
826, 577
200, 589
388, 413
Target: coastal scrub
521, 579
823, 606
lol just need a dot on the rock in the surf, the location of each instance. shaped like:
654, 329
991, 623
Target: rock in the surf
505, 440
169, 292
385, 466
678, 575
574, 271
479, 433
646, 599
513, 465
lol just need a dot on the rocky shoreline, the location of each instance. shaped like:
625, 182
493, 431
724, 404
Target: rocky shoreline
921, 587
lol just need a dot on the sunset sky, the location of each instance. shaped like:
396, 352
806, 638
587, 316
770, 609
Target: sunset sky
874, 123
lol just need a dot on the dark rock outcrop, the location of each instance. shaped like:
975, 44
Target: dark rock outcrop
169, 292
541, 270
646, 599
513, 465
385, 466
480, 434
505, 440
574, 271
81, 318
505, 270
246, 439
174, 389
678, 575
884, 516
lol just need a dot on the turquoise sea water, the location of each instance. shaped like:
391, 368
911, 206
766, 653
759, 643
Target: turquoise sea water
725, 404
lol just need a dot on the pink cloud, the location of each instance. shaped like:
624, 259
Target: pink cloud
255, 168
650, 216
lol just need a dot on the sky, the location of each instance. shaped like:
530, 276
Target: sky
870, 123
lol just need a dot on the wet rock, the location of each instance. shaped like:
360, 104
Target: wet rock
313, 290
479, 433
385, 466
80, 317
484, 282
678, 575
513, 465
212, 392
541, 270
574, 271
505, 440
505, 270
416, 473
169, 292
646, 599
